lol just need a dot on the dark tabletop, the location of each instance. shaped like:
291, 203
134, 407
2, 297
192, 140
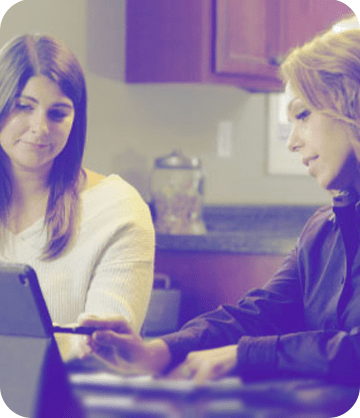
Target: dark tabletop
106, 394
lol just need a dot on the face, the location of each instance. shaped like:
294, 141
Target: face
38, 126
325, 145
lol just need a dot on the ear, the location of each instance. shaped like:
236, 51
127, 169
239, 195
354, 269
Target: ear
354, 138
351, 98
353, 106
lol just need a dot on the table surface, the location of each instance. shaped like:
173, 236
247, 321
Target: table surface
105, 394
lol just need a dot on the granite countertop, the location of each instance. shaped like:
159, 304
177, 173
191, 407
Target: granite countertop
243, 229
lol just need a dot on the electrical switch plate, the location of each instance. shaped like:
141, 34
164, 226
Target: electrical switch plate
224, 139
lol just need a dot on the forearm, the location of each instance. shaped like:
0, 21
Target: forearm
332, 355
121, 289
265, 311
122, 277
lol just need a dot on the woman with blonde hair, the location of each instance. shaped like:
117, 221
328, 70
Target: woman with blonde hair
89, 238
305, 322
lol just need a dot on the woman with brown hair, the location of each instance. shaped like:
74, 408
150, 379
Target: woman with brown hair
89, 237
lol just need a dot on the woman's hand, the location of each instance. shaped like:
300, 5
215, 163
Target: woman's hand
69, 345
204, 365
122, 349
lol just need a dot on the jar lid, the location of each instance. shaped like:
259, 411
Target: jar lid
176, 159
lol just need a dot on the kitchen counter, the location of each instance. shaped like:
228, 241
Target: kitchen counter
243, 229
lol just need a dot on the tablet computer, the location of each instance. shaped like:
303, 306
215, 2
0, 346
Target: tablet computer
33, 379
23, 311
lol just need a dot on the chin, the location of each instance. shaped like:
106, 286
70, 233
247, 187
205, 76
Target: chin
326, 184
335, 185
331, 184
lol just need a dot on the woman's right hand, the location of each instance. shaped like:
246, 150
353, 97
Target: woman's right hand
122, 349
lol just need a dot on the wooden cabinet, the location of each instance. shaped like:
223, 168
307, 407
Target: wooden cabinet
301, 20
208, 279
246, 39
236, 42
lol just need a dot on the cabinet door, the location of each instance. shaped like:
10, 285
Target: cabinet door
172, 41
301, 20
166, 39
236, 42
209, 279
247, 34
253, 36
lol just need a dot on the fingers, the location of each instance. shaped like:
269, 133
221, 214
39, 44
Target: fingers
114, 322
201, 366
199, 373
110, 338
113, 340
109, 344
84, 348
209, 372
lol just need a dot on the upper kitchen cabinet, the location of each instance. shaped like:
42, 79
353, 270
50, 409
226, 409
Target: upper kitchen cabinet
236, 42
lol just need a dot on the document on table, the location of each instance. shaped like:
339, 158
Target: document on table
99, 380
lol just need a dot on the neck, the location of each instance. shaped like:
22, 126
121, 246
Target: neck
29, 186
357, 188
29, 198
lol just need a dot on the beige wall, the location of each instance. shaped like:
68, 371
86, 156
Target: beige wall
130, 125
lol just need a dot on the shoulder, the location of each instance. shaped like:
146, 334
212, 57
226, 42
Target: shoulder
92, 179
321, 216
112, 194
321, 223
112, 187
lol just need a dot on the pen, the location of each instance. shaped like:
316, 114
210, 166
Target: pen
74, 330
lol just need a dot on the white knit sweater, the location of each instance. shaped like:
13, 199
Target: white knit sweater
109, 267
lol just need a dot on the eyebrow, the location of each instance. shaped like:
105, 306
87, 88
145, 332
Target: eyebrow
290, 107
291, 104
58, 104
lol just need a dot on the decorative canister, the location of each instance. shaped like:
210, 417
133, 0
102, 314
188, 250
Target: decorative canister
177, 194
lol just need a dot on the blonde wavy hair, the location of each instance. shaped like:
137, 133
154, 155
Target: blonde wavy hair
325, 74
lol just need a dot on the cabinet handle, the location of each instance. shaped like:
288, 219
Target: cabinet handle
277, 61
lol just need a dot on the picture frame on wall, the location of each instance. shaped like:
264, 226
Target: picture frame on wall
280, 160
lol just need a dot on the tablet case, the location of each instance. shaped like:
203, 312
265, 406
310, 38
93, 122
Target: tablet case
33, 379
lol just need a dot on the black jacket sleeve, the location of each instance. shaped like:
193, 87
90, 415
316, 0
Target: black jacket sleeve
275, 309
329, 354
273, 341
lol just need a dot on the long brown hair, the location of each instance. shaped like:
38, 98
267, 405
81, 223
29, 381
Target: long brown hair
22, 58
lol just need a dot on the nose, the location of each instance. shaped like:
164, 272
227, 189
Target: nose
39, 123
294, 142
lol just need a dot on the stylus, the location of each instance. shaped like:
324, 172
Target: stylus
74, 330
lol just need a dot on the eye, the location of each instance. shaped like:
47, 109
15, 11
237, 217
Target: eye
23, 107
303, 115
57, 115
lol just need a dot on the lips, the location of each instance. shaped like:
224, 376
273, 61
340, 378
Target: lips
306, 160
36, 144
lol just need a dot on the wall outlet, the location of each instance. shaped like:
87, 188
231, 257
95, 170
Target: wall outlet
224, 139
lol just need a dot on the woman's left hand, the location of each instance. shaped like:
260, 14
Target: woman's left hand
204, 365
